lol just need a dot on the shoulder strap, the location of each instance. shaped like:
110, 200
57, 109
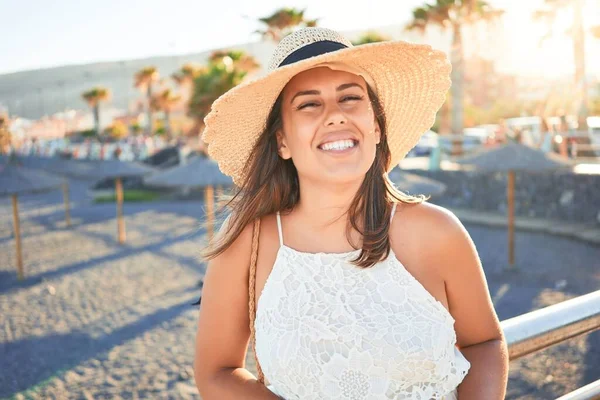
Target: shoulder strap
393, 212
279, 228
252, 295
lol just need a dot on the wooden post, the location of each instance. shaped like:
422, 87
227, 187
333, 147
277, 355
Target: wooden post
120, 221
511, 219
66, 197
209, 199
17, 228
219, 193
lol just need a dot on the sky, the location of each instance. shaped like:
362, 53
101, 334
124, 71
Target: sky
39, 33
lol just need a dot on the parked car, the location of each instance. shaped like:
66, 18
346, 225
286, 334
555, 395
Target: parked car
474, 139
493, 136
426, 144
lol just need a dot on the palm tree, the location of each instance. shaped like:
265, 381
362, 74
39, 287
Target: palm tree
144, 79
454, 15
165, 101
282, 22
186, 74
222, 73
370, 37
5, 136
94, 97
548, 14
234, 59
184, 78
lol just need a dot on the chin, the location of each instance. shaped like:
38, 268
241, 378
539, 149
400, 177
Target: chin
344, 177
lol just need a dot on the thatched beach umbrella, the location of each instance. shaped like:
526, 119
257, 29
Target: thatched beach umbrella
73, 168
118, 170
15, 180
199, 172
415, 184
510, 158
99, 169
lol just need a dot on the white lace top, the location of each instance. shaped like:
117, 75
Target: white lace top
327, 329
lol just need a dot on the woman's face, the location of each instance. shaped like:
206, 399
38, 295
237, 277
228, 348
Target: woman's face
329, 128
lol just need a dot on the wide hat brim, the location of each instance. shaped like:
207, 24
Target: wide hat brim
411, 81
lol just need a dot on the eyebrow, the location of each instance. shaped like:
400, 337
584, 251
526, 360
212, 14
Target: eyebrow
343, 86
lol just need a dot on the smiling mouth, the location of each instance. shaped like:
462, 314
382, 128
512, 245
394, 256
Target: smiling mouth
339, 145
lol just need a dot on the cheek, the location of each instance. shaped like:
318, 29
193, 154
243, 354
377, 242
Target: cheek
367, 125
300, 132
363, 117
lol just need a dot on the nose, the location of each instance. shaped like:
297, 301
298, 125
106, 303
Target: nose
335, 116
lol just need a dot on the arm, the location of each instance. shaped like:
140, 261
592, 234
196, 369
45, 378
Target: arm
478, 331
223, 328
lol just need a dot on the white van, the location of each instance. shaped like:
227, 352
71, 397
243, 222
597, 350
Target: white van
530, 128
593, 124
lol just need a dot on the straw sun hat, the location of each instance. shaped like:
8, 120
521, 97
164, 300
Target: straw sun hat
411, 81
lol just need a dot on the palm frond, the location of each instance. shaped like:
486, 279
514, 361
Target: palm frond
282, 22
96, 95
164, 100
146, 76
419, 21
370, 37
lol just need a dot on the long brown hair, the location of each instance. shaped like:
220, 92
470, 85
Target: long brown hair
272, 185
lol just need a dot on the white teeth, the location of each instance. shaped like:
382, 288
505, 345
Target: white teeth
338, 145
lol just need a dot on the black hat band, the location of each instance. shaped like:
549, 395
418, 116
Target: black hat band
312, 50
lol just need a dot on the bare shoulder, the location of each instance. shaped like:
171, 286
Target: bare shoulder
433, 238
433, 222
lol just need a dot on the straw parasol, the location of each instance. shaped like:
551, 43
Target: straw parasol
199, 172
102, 169
118, 170
15, 180
415, 184
512, 157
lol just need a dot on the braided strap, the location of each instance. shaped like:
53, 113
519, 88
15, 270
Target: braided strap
252, 296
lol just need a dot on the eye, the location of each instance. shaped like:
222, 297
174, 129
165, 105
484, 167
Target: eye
351, 97
309, 104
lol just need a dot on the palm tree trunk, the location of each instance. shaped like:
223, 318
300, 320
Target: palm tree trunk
149, 95
457, 82
97, 118
168, 123
579, 53
445, 124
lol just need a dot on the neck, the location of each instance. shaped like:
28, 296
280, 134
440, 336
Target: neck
324, 206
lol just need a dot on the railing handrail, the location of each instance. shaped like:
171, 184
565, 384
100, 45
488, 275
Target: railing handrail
548, 326
587, 392
554, 324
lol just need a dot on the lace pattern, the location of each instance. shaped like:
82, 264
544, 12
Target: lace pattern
326, 329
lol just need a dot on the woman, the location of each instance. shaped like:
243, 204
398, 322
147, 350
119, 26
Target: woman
357, 291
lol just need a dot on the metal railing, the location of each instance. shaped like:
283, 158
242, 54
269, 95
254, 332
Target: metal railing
551, 325
587, 392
